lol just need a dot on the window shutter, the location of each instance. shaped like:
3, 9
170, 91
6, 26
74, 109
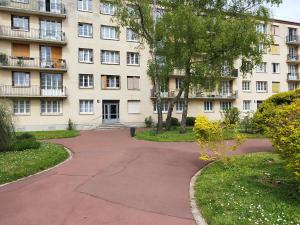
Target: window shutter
136, 84
275, 49
104, 82
133, 106
130, 83
275, 87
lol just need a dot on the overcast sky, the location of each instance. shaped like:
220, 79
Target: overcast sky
288, 10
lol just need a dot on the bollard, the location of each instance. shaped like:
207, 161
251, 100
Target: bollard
132, 131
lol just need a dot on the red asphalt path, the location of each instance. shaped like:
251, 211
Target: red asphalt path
111, 180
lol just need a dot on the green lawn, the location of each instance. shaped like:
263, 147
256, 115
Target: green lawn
175, 136
53, 134
15, 165
251, 189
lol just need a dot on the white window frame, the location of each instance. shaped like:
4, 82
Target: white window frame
261, 68
85, 5
246, 105
224, 105
21, 107
261, 28
179, 106
261, 86
85, 55
109, 32
113, 82
165, 107
293, 86
86, 79
108, 8
246, 86
85, 30
86, 106
110, 57
21, 79
20, 23
51, 107
178, 83
276, 66
133, 58
208, 106
131, 36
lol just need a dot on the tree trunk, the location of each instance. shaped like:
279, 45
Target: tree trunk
158, 106
185, 109
171, 107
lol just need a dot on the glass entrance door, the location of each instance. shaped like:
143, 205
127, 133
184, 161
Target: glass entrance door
110, 112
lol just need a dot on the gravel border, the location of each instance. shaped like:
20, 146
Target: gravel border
43, 171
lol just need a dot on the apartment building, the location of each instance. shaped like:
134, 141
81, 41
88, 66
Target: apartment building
70, 60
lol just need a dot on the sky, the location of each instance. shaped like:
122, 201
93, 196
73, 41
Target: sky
288, 10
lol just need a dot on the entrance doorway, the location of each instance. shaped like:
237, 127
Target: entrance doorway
110, 109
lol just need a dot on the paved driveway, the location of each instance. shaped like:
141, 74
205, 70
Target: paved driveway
111, 180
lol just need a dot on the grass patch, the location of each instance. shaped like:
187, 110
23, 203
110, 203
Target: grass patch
174, 135
251, 189
18, 164
53, 134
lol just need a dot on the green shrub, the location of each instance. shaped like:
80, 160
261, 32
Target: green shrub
231, 117
190, 121
149, 121
26, 136
247, 125
7, 131
174, 122
24, 144
70, 125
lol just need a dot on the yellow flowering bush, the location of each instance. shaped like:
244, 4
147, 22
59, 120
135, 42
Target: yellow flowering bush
209, 136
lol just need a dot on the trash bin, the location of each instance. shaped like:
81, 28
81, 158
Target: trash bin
132, 131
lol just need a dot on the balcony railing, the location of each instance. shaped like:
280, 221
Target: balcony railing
199, 94
293, 77
293, 39
55, 9
32, 63
32, 91
32, 34
230, 73
293, 58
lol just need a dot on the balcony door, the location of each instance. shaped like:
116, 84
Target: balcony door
51, 85
50, 30
225, 88
292, 34
50, 57
293, 72
50, 6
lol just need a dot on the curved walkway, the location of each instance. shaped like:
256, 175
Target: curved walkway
111, 180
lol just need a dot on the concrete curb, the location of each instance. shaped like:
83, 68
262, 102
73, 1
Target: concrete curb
195, 210
43, 171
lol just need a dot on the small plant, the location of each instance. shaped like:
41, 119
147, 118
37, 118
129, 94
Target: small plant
70, 125
25, 136
148, 121
190, 121
231, 117
24, 144
7, 131
174, 122
3, 58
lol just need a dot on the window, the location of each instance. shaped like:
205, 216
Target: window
109, 32
275, 50
262, 49
225, 88
246, 105
133, 83
293, 86
275, 30
178, 83
261, 68
133, 58
86, 106
165, 107
51, 30
22, 1
275, 87
86, 80
275, 68
85, 30
51, 107
21, 107
208, 106
110, 57
131, 35
261, 86
20, 23
110, 82
107, 8
85, 5
246, 86
21, 79
133, 106
85, 55
225, 105
261, 28
258, 103
179, 106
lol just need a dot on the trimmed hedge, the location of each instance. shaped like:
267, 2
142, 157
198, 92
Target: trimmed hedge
190, 121
25, 144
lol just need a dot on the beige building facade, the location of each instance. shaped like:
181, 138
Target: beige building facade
69, 60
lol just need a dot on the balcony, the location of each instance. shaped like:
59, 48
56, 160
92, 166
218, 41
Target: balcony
29, 63
200, 95
33, 35
230, 74
293, 77
34, 7
294, 59
293, 40
8, 91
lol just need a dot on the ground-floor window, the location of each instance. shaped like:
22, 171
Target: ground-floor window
133, 106
165, 106
208, 106
258, 103
51, 107
246, 105
86, 106
21, 79
21, 107
179, 106
225, 105
293, 86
